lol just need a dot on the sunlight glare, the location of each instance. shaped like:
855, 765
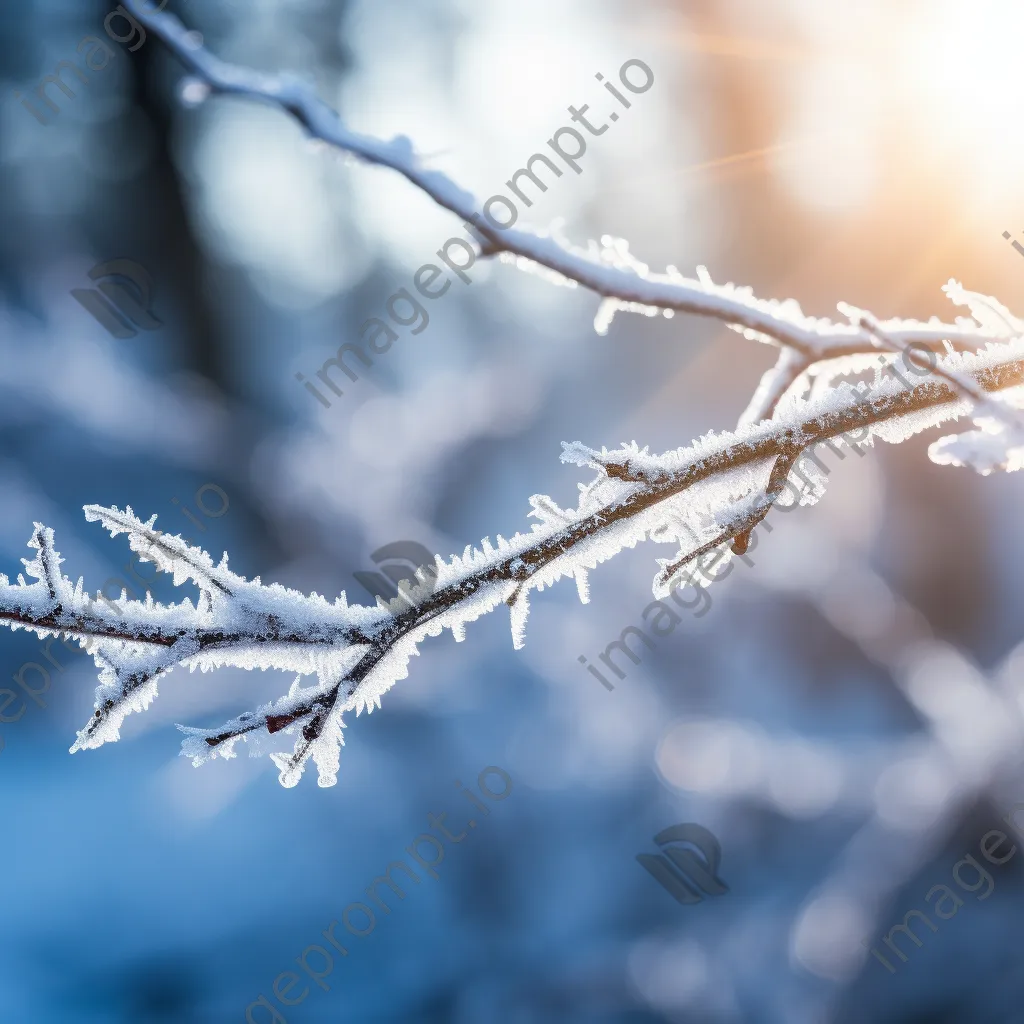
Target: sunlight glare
964, 65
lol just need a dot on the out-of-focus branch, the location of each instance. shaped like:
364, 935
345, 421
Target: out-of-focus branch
625, 283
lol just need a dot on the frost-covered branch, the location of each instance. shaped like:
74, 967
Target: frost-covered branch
711, 492
716, 489
607, 269
999, 441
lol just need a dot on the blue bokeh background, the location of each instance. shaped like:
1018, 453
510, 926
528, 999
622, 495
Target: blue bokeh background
784, 145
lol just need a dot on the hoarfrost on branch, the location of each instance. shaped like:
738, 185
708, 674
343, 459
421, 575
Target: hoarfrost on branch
716, 489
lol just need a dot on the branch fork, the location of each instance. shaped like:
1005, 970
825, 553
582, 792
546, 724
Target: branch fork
709, 493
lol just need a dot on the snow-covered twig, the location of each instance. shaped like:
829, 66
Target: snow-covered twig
608, 270
981, 401
746, 518
998, 444
358, 653
715, 490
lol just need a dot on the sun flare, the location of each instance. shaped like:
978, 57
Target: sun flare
963, 77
